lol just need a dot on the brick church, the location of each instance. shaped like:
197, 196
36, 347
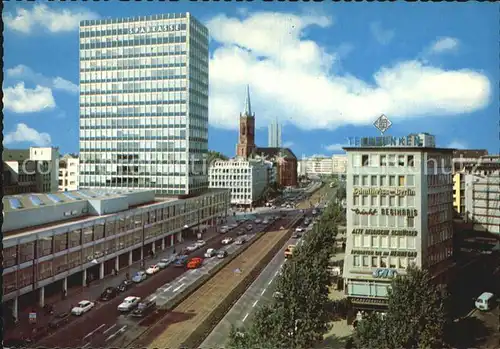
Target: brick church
283, 158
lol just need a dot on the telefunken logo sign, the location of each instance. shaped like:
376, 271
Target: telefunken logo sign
155, 29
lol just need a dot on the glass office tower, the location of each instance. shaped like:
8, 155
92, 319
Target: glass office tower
144, 103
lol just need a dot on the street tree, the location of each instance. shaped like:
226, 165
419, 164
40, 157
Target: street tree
417, 315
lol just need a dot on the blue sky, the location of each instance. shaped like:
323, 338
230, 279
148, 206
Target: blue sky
326, 70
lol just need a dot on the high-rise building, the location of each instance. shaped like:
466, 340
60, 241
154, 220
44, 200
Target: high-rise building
274, 134
144, 103
399, 212
246, 141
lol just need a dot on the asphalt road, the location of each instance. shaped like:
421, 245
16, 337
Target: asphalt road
259, 292
93, 328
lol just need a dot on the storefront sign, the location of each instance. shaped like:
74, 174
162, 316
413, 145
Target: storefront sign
385, 141
409, 212
384, 253
155, 29
385, 273
370, 212
384, 232
383, 191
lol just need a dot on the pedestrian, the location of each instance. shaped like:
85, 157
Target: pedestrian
113, 271
64, 294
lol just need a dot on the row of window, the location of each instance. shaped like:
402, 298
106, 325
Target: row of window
382, 262
376, 160
384, 241
175, 60
236, 187
436, 180
383, 200
439, 233
133, 42
384, 180
114, 158
126, 76
147, 87
382, 221
164, 180
136, 72
229, 177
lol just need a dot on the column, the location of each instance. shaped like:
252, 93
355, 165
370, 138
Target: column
179, 236
130, 257
142, 253
172, 241
42, 296
84, 277
101, 270
153, 246
117, 263
65, 284
163, 243
15, 309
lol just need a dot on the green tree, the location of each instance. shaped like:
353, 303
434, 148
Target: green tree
213, 155
417, 315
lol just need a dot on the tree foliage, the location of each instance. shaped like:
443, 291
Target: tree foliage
298, 318
213, 155
417, 315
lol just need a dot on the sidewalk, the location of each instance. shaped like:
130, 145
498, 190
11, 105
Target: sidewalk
74, 295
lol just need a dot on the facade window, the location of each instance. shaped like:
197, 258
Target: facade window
44, 246
383, 181
401, 221
392, 201
383, 201
364, 201
74, 238
364, 160
402, 242
383, 262
373, 181
60, 242
373, 200
392, 160
411, 242
410, 201
392, 181
401, 160
366, 261
384, 241
26, 252
410, 161
355, 261
355, 180
383, 160
87, 235
394, 241
374, 261
355, 200
401, 181
357, 240
374, 241
365, 180
391, 221
366, 240
410, 221
410, 180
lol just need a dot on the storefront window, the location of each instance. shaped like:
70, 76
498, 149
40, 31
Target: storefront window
60, 242
166, 213
26, 252
9, 256
98, 231
44, 246
74, 259
60, 264
159, 215
44, 270
87, 235
25, 277
9, 282
137, 237
110, 246
75, 238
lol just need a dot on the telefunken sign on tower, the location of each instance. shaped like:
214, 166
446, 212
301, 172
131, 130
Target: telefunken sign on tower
383, 124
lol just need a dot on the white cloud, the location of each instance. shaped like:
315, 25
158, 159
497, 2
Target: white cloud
26, 73
41, 16
23, 133
336, 148
293, 77
288, 144
444, 44
383, 36
457, 145
20, 99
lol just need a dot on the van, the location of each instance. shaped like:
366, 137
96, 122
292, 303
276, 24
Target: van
485, 301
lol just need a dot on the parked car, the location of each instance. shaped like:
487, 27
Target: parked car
258, 221
241, 240
222, 254
153, 269
59, 320
227, 241
210, 253
195, 263
129, 303
181, 261
249, 227
144, 307
200, 243
140, 276
299, 229
192, 248
240, 232
109, 293
265, 221
234, 225
223, 230
165, 262
296, 235
82, 307
125, 285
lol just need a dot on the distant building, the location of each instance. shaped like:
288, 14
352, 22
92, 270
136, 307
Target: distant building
68, 173
323, 166
30, 170
246, 179
424, 139
285, 162
274, 134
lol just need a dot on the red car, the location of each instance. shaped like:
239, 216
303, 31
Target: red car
195, 263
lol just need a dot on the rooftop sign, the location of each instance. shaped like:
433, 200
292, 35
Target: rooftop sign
155, 29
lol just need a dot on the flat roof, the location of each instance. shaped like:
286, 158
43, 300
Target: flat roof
398, 148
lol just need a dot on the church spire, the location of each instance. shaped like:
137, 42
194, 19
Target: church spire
248, 105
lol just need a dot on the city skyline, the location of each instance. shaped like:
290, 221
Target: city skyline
462, 59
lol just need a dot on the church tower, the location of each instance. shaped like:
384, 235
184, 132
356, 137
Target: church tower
246, 141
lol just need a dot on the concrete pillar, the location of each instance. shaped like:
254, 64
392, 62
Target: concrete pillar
142, 253
172, 242
42, 296
130, 257
65, 284
117, 263
84, 277
153, 246
15, 309
101, 271
163, 243
179, 236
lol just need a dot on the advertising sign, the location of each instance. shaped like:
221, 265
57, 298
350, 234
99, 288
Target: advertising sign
383, 191
385, 273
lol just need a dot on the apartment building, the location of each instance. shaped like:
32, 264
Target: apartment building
246, 179
322, 166
399, 212
58, 240
68, 173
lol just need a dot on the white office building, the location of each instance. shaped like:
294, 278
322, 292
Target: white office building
247, 179
68, 173
144, 103
399, 212
322, 165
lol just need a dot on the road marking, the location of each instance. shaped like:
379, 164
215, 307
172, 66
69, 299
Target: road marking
94, 331
121, 330
263, 291
168, 288
153, 298
182, 278
86, 345
178, 288
109, 329
255, 303
271, 281
244, 318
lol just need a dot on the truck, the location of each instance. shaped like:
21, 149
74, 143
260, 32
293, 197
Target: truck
289, 251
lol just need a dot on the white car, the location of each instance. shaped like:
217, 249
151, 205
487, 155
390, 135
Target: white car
191, 248
227, 241
82, 307
200, 243
129, 303
258, 221
234, 225
299, 229
265, 221
165, 262
223, 230
153, 269
210, 253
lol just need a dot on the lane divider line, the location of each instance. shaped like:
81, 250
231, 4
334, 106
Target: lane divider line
178, 288
109, 329
263, 291
244, 318
255, 303
182, 278
168, 288
94, 331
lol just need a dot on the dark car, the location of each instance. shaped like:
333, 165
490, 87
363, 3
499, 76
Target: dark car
181, 261
109, 293
125, 285
240, 232
60, 320
144, 308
